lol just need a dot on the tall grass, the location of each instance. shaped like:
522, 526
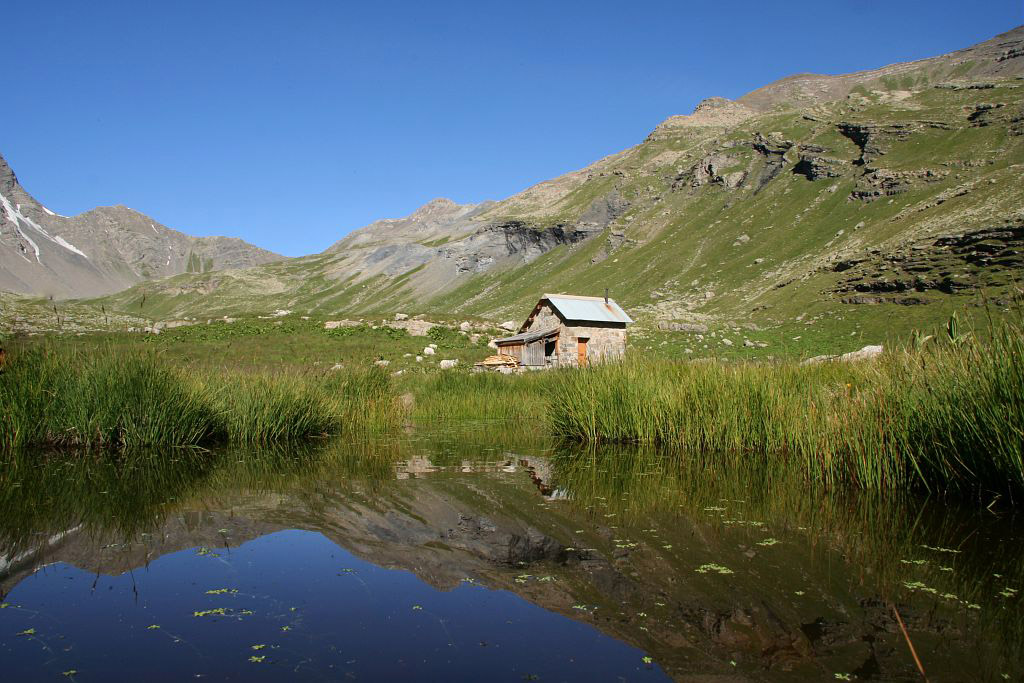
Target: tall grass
949, 416
69, 398
481, 396
58, 395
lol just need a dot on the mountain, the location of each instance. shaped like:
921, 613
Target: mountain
879, 201
100, 251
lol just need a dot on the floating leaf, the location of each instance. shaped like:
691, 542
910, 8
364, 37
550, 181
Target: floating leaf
939, 549
258, 659
28, 632
646, 660
69, 673
417, 607
257, 647
152, 627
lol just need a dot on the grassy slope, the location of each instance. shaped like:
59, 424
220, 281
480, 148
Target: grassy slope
679, 258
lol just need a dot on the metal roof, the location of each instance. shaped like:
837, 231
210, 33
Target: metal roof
527, 337
588, 308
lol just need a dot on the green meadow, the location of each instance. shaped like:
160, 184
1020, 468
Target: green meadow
941, 413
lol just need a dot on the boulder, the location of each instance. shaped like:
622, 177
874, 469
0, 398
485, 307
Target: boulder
419, 359
401, 316
448, 364
428, 351
869, 351
465, 326
382, 363
865, 353
335, 324
415, 328
509, 325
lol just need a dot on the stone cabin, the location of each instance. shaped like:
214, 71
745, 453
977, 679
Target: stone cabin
569, 331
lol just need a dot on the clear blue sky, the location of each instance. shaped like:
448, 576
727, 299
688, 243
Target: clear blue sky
291, 123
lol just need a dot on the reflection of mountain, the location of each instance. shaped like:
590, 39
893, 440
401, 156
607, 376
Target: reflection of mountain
636, 582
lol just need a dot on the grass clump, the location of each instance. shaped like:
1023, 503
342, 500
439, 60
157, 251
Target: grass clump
60, 395
260, 409
64, 397
457, 395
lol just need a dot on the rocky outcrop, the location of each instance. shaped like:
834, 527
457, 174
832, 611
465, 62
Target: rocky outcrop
814, 164
883, 182
874, 139
987, 257
710, 170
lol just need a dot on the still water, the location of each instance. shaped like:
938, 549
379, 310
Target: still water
473, 555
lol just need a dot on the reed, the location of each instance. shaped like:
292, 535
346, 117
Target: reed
63, 397
108, 399
945, 416
481, 396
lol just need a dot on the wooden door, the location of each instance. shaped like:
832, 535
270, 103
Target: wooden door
581, 351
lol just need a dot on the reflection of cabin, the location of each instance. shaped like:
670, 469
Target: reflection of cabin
569, 330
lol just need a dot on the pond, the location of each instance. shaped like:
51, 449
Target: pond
479, 554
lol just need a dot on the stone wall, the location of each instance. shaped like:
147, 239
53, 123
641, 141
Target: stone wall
545, 319
607, 341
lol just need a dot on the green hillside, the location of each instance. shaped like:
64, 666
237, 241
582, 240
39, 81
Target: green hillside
813, 228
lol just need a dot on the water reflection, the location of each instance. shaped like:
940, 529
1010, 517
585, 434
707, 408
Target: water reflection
659, 564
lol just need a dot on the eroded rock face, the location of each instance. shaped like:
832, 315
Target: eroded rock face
814, 163
952, 263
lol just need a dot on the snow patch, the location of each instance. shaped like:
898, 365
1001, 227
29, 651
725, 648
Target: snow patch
67, 245
48, 211
14, 215
154, 228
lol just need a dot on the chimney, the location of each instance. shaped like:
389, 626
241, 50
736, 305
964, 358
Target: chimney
605, 296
